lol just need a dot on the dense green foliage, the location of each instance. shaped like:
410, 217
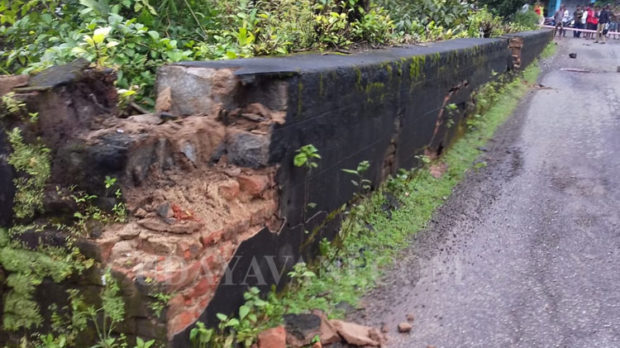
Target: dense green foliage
137, 36
504, 7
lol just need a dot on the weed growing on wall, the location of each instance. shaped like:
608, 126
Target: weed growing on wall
27, 269
32, 162
307, 157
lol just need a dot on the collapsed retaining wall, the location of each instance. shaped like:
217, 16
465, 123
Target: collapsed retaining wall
216, 203
383, 106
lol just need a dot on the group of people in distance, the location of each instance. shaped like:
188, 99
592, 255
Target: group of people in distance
586, 17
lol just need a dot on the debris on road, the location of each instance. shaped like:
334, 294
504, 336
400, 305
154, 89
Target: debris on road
404, 327
358, 335
540, 86
303, 329
572, 55
272, 338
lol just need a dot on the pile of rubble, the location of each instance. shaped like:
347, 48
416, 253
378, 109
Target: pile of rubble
316, 330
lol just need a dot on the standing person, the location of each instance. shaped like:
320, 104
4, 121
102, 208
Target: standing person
584, 18
558, 17
577, 17
603, 21
613, 21
565, 21
592, 21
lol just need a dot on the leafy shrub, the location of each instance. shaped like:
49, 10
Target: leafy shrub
375, 26
140, 35
482, 23
504, 8
526, 20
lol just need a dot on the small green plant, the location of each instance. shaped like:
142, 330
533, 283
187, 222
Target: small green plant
11, 105
140, 343
109, 182
364, 185
160, 302
126, 97
325, 247
119, 209
424, 159
301, 275
95, 45
109, 315
307, 156
200, 336
254, 316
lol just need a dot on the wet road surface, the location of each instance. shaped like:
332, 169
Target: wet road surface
526, 252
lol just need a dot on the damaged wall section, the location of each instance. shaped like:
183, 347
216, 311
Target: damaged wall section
383, 106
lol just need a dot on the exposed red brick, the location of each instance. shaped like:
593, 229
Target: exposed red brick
189, 249
182, 214
204, 302
176, 305
211, 238
211, 262
229, 189
181, 321
253, 185
180, 278
272, 338
201, 288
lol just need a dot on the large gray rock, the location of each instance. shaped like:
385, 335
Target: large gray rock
197, 91
248, 150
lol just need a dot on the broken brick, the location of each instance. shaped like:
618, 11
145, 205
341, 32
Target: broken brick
229, 189
272, 338
211, 237
253, 185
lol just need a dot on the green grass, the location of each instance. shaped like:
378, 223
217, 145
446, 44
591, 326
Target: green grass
348, 271
549, 50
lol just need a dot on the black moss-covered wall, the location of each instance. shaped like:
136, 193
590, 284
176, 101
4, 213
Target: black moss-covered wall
534, 43
382, 106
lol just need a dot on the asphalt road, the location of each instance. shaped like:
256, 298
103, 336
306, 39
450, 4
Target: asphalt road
526, 252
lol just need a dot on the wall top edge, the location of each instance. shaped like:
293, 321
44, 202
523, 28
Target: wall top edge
310, 63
